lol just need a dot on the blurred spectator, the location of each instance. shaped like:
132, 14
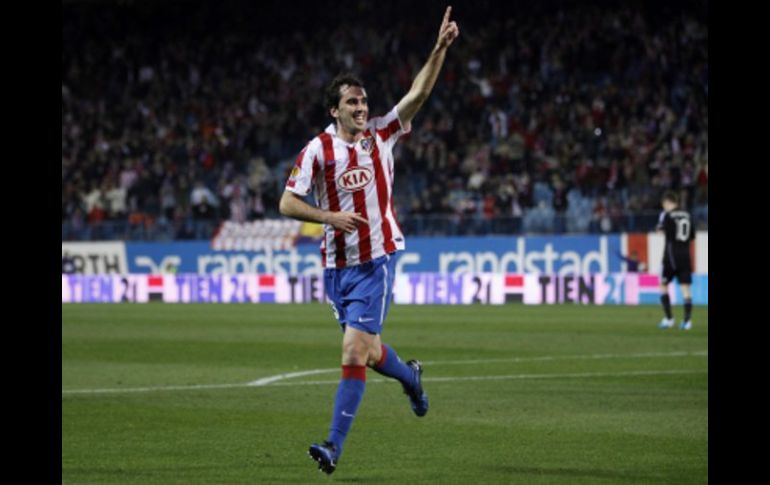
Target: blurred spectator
116, 202
633, 262
560, 203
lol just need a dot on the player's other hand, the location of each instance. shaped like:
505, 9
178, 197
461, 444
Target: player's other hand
448, 31
345, 221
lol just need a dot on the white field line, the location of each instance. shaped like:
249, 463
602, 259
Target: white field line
276, 379
279, 377
571, 357
516, 376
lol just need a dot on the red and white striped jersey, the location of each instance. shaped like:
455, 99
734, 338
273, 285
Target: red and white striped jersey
354, 177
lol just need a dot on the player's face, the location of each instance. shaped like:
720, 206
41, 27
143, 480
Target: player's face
668, 205
353, 109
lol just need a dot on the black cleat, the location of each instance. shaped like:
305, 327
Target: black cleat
325, 455
418, 397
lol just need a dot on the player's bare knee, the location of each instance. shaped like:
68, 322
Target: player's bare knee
354, 358
375, 351
373, 359
354, 352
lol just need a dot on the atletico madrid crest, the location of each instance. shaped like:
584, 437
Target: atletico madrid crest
367, 143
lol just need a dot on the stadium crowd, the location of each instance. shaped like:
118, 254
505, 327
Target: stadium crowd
548, 116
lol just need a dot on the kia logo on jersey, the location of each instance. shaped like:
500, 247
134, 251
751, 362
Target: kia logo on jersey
354, 178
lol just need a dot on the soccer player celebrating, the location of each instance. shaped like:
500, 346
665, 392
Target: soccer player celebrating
677, 226
349, 168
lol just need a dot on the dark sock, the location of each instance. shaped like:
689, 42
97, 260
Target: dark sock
666, 301
687, 309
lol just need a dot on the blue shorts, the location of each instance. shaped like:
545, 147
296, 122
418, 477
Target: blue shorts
361, 294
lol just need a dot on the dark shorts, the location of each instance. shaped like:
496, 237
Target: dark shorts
361, 294
677, 267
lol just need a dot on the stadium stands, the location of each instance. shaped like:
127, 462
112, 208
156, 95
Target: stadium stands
548, 117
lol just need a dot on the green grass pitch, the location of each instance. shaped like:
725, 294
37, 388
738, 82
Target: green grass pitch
157, 394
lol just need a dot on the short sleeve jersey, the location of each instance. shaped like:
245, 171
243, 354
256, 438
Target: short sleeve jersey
677, 226
355, 177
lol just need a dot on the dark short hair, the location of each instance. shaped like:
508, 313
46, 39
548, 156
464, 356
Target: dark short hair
332, 94
671, 196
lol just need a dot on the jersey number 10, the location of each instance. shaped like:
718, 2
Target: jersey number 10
682, 230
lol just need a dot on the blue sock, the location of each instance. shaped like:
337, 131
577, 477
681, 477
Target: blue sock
391, 366
349, 394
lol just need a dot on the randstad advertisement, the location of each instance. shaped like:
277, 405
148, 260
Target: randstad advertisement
560, 255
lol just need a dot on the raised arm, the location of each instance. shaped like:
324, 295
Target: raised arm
426, 78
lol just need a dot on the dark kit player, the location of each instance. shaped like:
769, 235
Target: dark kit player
676, 224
